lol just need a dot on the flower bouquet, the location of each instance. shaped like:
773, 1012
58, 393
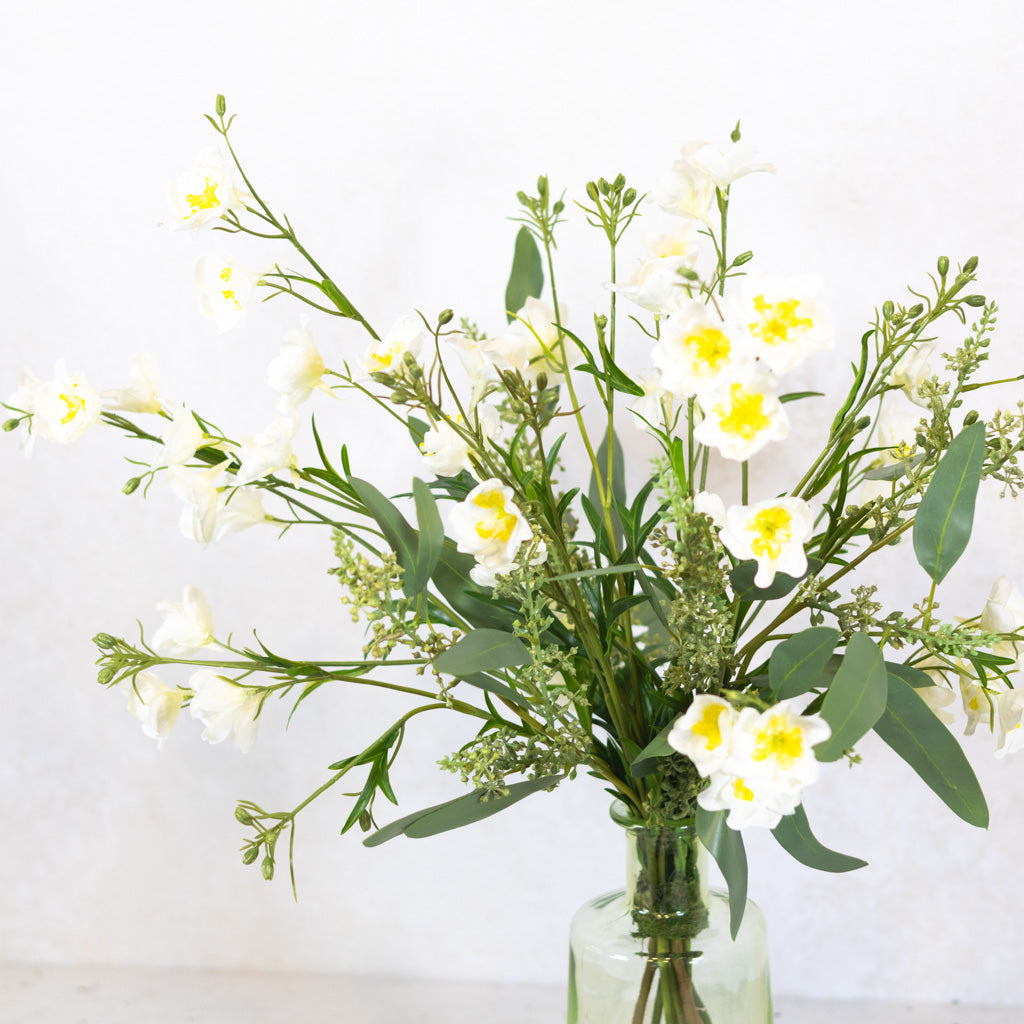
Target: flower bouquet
703, 654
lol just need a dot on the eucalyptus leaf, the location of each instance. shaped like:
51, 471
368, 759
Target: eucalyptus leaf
911, 729
726, 846
452, 578
527, 277
912, 676
797, 663
647, 760
482, 650
945, 517
856, 699
400, 536
463, 810
795, 836
430, 538
495, 686
895, 470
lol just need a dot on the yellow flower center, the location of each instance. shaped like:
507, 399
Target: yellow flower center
75, 404
384, 357
225, 275
708, 726
744, 415
771, 527
710, 348
777, 320
780, 740
497, 523
205, 200
741, 790
229, 296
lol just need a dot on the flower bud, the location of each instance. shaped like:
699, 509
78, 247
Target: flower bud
365, 821
971, 417
888, 309
975, 300
943, 265
689, 273
542, 186
619, 183
267, 867
916, 310
558, 207
10, 425
971, 265
600, 321
222, 105
744, 257
735, 135
105, 675
603, 185
444, 317
400, 396
592, 191
922, 441
629, 197
862, 424
523, 198
542, 381
131, 486
242, 815
249, 854
104, 641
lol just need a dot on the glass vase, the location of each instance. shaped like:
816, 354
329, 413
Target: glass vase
660, 951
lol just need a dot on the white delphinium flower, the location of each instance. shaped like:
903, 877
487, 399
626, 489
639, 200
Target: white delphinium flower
206, 192
655, 410
155, 704
686, 190
786, 320
298, 369
658, 286
778, 744
912, 369
531, 344
895, 433
742, 416
181, 437
23, 401
772, 532
698, 351
1011, 726
703, 733
711, 505
407, 334
225, 289
140, 394
198, 489
977, 702
225, 708
489, 526
751, 801
64, 408
724, 166
238, 508
268, 452
187, 625
445, 450
1004, 613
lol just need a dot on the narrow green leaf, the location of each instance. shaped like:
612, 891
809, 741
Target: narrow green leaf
796, 838
647, 760
499, 689
726, 846
463, 810
482, 650
910, 727
797, 663
742, 580
431, 535
333, 292
527, 277
399, 534
942, 526
796, 396
856, 699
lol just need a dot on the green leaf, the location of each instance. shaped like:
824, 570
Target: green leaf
942, 526
856, 699
796, 396
647, 760
914, 677
910, 727
431, 536
463, 810
742, 580
472, 602
527, 277
397, 532
482, 650
796, 838
726, 846
797, 663
499, 689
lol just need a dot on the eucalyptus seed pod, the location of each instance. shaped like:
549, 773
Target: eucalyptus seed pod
943, 265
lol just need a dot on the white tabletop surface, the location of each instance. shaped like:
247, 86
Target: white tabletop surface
35, 994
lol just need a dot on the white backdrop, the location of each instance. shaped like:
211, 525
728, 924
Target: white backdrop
395, 135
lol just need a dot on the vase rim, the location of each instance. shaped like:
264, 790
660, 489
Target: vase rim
621, 815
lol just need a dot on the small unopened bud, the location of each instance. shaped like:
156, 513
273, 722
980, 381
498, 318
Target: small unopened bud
943, 265
365, 821
744, 257
619, 183
603, 185
382, 377
735, 135
916, 310
542, 381
975, 300
600, 321
592, 191
222, 105
243, 816
10, 425
921, 439
689, 273
523, 198
131, 486
888, 309
558, 207
971, 265
971, 417
249, 854
542, 186
629, 197
105, 675
400, 396
862, 424
444, 317
104, 641
267, 868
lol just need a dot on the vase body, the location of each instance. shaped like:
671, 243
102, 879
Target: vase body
660, 951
